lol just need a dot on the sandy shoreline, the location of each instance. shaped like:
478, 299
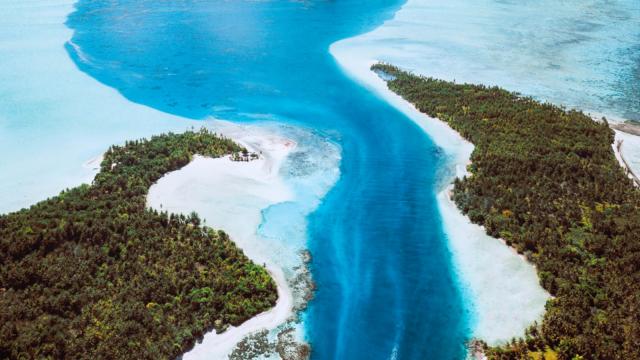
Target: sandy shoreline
501, 285
618, 146
626, 145
230, 196
627, 128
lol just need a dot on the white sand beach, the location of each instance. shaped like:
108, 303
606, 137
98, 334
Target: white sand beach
628, 154
230, 195
503, 288
626, 145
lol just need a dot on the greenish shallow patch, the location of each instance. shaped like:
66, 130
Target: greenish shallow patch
93, 273
546, 181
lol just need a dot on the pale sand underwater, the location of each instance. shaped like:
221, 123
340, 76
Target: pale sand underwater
53, 117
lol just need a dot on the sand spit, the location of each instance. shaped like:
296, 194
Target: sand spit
230, 195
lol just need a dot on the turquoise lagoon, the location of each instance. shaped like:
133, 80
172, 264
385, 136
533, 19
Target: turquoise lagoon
380, 259
386, 285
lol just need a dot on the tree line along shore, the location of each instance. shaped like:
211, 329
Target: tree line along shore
94, 274
545, 179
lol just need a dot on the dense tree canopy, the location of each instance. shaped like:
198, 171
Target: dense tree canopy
94, 274
546, 180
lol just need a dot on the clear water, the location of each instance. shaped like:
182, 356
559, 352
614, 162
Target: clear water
583, 54
380, 259
385, 286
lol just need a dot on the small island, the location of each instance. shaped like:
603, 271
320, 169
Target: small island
546, 181
95, 273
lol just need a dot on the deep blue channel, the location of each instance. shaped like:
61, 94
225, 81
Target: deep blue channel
386, 288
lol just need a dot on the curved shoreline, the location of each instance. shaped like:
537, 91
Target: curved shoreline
37, 54
623, 131
480, 260
237, 191
617, 150
63, 114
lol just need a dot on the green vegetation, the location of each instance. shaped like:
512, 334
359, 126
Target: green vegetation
94, 274
545, 180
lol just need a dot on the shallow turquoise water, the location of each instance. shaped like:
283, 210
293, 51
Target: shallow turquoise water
583, 54
385, 286
385, 282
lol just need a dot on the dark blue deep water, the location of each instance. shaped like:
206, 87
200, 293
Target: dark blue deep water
385, 283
